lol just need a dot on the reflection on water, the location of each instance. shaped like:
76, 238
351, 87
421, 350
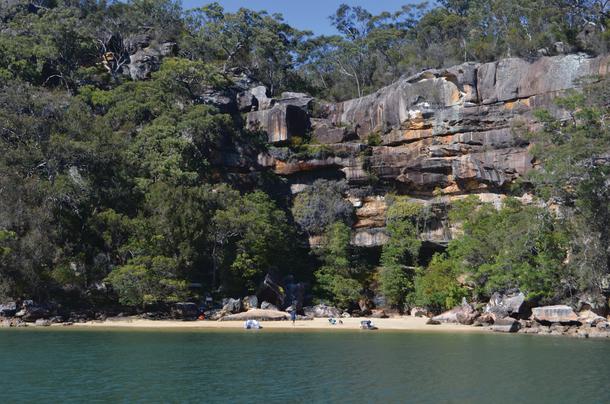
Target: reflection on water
213, 366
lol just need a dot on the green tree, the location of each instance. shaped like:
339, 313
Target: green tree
336, 276
436, 287
574, 174
518, 246
401, 252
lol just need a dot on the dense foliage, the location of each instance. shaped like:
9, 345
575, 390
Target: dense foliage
121, 190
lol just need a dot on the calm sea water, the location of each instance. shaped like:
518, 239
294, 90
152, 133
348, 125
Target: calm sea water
264, 366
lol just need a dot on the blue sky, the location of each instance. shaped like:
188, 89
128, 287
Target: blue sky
305, 14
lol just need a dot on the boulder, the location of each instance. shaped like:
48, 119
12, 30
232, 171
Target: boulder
41, 322
232, 305
295, 294
554, 314
215, 314
31, 311
419, 312
250, 302
506, 324
147, 60
270, 291
268, 306
595, 302
262, 101
484, 319
8, 309
185, 311
463, 314
603, 325
590, 318
257, 314
504, 305
322, 311
432, 321
379, 313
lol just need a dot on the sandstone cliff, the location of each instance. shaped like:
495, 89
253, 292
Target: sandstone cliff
447, 132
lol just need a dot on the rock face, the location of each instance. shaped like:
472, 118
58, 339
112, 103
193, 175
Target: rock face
286, 118
554, 314
270, 291
456, 130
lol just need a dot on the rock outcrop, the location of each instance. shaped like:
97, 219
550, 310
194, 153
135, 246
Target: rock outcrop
435, 136
463, 314
510, 304
554, 314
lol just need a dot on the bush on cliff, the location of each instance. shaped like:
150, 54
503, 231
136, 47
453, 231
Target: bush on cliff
321, 205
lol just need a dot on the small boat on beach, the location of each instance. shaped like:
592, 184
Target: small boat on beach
367, 325
252, 325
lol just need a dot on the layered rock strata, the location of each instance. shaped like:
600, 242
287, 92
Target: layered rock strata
448, 132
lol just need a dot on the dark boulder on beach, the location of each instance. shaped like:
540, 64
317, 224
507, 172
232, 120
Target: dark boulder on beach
8, 309
184, 311
232, 305
31, 311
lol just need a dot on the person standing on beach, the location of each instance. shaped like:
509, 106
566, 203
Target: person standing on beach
293, 315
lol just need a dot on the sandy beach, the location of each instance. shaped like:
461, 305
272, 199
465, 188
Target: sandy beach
403, 323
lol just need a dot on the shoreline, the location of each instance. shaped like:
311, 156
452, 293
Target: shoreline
405, 323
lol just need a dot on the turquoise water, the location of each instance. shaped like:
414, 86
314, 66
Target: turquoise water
263, 366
